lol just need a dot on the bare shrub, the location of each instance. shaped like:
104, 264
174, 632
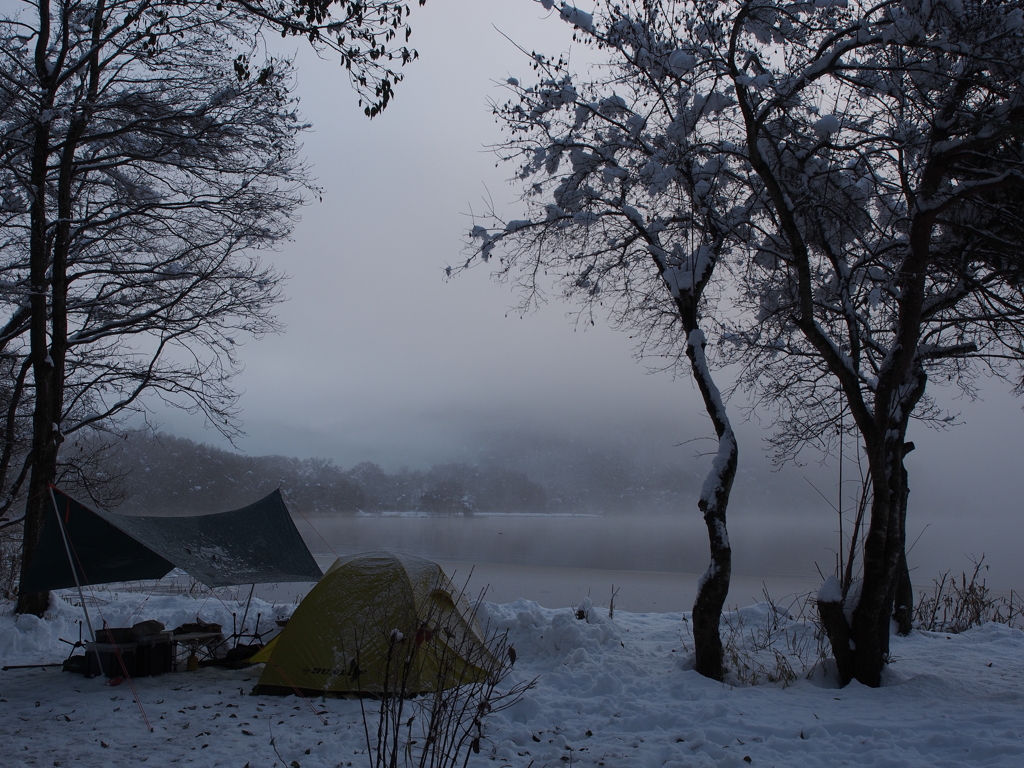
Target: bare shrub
955, 605
463, 674
773, 642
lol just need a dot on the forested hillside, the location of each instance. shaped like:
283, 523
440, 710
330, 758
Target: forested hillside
159, 474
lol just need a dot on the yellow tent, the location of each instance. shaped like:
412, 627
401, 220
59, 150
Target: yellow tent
381, 624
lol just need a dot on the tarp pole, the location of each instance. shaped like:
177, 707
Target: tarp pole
74, 572
81, 596
241, 628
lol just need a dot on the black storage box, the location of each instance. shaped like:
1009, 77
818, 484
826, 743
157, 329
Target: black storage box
154, 655
107, 662
116, 635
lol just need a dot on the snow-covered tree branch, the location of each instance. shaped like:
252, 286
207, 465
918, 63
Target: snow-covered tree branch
857, 169
626, 198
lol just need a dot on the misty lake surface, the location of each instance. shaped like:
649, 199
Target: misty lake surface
653, 561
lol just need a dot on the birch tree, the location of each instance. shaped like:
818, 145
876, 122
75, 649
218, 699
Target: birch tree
873, 160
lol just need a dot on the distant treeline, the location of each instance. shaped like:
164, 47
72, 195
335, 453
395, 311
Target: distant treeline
158, 474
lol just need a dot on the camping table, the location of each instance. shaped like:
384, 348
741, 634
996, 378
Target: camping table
193, 641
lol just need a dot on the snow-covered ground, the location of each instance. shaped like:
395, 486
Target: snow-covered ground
609, 693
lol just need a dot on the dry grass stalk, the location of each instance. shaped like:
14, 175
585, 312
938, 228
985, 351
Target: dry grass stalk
444, 727
955, 605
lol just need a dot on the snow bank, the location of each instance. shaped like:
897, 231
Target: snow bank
608, 693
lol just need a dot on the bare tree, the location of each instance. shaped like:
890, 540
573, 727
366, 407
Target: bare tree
143, 172
892, 172
145, 157
875, 152
626, 210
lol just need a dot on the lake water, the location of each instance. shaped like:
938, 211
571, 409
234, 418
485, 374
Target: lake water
653, 561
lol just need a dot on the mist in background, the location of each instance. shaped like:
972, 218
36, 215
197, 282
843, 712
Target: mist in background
384, 361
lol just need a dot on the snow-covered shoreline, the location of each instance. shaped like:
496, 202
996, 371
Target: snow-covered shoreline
609, 693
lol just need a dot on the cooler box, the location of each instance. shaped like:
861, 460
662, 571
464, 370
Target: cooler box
107, 663
154, 655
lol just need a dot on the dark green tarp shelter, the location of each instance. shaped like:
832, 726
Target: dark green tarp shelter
253, 545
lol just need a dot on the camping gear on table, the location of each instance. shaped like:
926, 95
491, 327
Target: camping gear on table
145, 649
198, 627
380, 624
197, 638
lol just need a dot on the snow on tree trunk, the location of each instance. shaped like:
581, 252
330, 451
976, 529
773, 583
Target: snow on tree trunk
869, 631
713, 587
858, 623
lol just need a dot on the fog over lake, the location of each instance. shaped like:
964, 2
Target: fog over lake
653, 560
384, 360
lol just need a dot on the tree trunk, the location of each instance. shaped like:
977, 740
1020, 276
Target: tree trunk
713, 587
861, 648
883, 548
712, 592
45, 442
903, 608
36, 508
886, 579
43, 456
903, 605
42, 275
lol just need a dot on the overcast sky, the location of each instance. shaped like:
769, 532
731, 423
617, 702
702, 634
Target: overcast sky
384, 360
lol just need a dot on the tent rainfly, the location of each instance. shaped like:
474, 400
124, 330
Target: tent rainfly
379, 624
255, 544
